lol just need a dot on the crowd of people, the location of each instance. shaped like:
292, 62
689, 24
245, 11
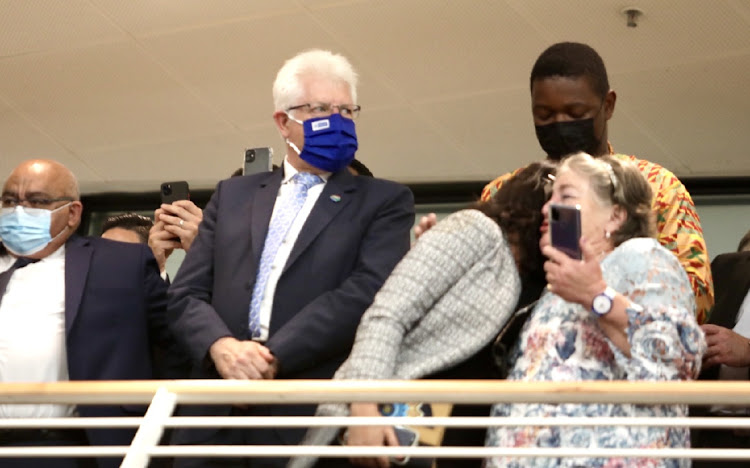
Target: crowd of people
307, 272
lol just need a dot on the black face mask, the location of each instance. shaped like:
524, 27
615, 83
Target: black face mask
560, 139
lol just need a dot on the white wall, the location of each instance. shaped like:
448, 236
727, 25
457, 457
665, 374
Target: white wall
724, 220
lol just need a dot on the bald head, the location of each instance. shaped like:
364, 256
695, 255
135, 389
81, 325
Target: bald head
46, 184
47, 174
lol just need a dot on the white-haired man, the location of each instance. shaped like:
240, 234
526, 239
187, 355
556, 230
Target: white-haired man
286, 262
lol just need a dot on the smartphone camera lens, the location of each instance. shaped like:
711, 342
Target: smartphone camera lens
166, 189
250, 156
555, 214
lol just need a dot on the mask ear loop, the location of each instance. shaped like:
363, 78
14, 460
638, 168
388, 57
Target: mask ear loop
66, 227
294, 147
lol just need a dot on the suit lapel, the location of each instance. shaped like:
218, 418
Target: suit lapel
335, 196
78, 252
261, 211
731, 275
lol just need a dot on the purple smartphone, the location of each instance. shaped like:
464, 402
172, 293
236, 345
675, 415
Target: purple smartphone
565, 229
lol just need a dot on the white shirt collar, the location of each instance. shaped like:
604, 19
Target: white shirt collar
290, 171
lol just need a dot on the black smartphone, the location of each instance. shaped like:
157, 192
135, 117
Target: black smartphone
565, 229
258, 160
173, 191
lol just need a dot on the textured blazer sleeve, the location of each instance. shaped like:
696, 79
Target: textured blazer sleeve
325, 327
193, 319
465, 245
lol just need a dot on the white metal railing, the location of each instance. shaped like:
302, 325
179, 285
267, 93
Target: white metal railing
163, 396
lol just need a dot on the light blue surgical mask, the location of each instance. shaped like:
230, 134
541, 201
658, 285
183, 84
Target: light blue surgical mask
25, 231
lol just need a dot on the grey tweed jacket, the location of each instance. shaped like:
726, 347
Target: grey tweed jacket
446, 299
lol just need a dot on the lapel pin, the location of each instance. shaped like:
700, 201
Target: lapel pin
335, 198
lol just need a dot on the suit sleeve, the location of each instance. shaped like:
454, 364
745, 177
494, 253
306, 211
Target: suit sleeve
332, 318
193, 319
168, 359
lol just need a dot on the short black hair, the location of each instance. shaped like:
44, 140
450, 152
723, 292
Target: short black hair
132, 222
360, 168
572, 60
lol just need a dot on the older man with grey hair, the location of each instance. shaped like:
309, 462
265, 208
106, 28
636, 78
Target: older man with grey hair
286, 262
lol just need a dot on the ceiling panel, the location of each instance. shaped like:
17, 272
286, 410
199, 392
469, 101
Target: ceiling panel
495, 131
144, 167
234, 66
428, 49
36, 25
103, 96
398, 142
700, 112
21, 139
132, 92
145, 17
669, 32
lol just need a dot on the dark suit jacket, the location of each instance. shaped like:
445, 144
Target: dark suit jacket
115, 310
731, 274
356, 233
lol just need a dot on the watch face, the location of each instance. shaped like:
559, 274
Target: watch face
602, 304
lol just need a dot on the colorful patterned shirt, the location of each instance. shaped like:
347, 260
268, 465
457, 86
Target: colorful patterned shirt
677, 224
563, 342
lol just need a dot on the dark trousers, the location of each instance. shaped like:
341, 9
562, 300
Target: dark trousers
42, 438
719, 438
233, 436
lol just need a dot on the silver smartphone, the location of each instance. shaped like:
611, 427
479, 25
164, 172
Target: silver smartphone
565, 229
258, 160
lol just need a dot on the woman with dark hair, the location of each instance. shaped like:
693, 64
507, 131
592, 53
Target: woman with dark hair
445, 301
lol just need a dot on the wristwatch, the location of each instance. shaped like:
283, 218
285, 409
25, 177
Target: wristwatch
603, 302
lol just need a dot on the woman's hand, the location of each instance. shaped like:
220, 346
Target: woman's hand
378, 436
578, 281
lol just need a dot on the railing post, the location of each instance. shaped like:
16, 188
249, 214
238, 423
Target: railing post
148, 434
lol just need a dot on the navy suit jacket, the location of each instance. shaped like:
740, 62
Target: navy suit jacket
731, 275
356, 233
115, 314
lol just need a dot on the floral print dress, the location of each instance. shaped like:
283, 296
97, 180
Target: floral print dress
562, 342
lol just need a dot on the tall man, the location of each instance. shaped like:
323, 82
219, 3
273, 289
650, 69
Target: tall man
102, 306
286, 262
571, 104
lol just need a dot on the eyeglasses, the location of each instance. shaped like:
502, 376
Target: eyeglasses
321, 109
34, 202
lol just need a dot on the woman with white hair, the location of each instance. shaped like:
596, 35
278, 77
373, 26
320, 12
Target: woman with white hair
623, 312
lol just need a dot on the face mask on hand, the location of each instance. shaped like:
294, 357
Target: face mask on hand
330, 142
25, 231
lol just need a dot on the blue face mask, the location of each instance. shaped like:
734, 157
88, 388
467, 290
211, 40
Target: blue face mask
330, 142
25, 231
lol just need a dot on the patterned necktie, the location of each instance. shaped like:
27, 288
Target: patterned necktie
5, 276
283, 217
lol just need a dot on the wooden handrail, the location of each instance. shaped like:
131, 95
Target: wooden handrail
435, 391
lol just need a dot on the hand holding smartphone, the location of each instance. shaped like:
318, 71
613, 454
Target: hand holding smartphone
565, 229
